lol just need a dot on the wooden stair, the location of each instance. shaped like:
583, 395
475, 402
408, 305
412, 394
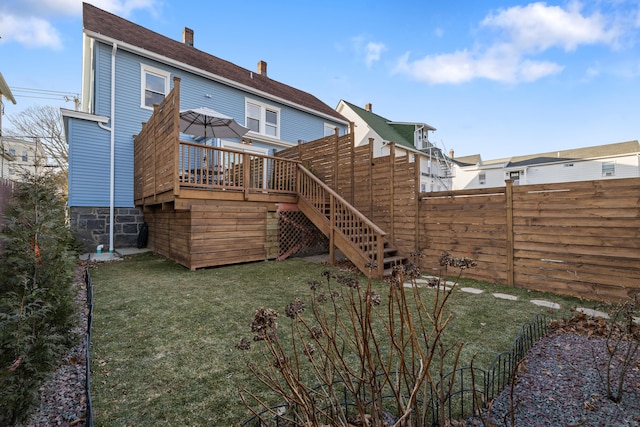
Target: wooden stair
363, 242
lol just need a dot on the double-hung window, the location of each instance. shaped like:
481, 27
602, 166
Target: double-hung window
263, 119
155, 86
608, 168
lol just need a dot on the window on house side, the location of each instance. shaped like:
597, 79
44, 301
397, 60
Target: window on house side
155, 86
263, 119
12, 151
253, 117
25, 156
271, 123
482, 178
608, 168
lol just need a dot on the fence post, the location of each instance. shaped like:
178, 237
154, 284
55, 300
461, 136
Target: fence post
416, 186
392, 187
509, 212
371, 179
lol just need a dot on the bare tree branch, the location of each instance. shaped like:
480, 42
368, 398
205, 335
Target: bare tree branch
44, 124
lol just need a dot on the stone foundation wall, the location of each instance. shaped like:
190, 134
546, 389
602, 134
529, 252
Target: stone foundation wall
91, 225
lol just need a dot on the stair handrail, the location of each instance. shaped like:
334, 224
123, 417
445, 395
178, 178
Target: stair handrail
335, 198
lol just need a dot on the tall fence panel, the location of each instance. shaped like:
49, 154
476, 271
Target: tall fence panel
579, 238
466, 224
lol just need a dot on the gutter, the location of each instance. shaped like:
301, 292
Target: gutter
110, 129
208, 75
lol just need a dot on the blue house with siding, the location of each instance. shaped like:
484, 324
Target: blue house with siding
126, 69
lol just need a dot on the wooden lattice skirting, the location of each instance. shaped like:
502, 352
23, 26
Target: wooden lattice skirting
298, 235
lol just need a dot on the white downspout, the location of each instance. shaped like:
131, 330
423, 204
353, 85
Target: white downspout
113, 147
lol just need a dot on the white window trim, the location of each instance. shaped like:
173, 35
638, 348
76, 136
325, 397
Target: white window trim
328, 126
263, 116
611, 164
144, 69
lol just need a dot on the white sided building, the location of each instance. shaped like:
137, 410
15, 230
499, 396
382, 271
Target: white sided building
611, 161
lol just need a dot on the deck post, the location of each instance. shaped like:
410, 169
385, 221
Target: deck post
332, 230
246, 174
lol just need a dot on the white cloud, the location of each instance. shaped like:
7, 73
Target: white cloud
366, 50
32, 22
523, 34
464, 66
30, 31
538, 27
373, 52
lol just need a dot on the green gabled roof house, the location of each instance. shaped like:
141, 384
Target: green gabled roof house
412, 137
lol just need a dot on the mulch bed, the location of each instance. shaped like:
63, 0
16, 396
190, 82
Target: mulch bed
561, 382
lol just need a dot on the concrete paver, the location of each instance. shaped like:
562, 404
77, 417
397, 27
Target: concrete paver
547, 304
505, 296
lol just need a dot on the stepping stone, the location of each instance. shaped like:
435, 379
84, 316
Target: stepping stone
410, 285
592, 313
547, 304
506, 296
472, 290
424, 281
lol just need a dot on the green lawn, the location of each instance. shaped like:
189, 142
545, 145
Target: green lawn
163, 336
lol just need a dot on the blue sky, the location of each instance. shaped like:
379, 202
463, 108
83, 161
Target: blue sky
498, 78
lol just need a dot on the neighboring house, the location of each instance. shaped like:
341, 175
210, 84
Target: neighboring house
621, 160
20, 157
127, 69
435, 168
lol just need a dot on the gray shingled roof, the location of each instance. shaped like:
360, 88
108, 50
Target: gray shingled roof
100, 22
616, 149
606, 150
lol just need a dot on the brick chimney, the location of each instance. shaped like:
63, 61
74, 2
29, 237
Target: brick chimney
262, 68
187, 36
451, 153
368, 107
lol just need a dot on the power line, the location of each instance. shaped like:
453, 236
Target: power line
43, 91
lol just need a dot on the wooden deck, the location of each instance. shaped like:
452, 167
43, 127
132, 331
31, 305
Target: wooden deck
208, 206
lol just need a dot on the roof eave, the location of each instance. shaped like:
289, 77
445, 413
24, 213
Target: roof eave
429, 127
5, 91
209, 75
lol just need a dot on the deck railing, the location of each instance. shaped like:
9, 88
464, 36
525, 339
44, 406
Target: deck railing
205, 167
342, 223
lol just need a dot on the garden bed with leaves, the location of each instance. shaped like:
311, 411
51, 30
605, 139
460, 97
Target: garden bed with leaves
563, 381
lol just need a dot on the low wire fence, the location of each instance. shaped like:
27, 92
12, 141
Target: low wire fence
473, 388
89, 287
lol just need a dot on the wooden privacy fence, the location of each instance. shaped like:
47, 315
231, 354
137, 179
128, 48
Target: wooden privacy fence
577, 238
385, 188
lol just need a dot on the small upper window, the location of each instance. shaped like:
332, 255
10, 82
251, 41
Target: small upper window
155, 86
12, 151
25, 156
608, 168
262, 118
482, 177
